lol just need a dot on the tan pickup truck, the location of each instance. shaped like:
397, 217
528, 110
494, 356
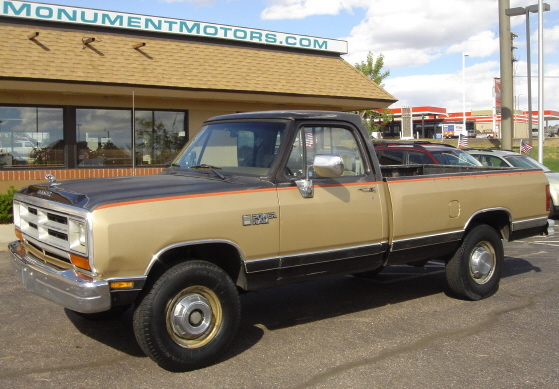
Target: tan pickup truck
254, 201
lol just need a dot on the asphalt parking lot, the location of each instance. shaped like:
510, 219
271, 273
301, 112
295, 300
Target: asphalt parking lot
399, 331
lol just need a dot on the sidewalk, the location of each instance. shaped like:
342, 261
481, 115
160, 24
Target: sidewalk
6, 236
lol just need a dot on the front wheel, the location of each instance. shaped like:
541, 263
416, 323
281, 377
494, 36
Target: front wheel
189, 317
474, 271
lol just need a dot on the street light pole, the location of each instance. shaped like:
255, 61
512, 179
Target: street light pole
505, 55
526, 11
464, 55
540, 81
529, 79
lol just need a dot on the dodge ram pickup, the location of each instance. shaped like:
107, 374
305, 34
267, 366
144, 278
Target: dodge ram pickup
259, 200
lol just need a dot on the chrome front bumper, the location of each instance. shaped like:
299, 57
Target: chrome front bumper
63, 287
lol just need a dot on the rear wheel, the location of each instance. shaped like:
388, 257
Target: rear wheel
474, 271
189, 317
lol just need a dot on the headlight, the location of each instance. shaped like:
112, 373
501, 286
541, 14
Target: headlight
17, 219
78, 235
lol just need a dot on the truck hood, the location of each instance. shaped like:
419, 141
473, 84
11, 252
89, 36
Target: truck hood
92, 193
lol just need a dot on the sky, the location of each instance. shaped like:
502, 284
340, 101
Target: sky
423, 42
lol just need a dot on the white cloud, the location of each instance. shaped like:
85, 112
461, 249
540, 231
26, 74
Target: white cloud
551, 40
445, 90
197, 3
431, 27
414, 34
483, 44
299, 9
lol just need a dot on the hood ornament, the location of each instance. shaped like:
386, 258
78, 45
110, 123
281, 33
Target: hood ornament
52, 180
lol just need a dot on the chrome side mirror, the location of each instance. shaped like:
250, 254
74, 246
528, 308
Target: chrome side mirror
305, 187
324, 165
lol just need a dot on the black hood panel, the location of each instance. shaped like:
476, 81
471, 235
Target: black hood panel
92, 193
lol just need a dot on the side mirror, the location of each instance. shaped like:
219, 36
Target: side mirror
324, 165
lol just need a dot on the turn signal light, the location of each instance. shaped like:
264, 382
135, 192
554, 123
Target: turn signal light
81, 262
20, 250
121, 285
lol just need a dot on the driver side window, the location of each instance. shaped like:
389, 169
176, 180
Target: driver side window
312, 141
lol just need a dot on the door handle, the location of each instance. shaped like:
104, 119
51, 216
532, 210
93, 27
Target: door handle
371, 189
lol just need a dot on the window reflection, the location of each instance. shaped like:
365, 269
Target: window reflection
159, 136
104, 137
313, 141
31, 136
38, 137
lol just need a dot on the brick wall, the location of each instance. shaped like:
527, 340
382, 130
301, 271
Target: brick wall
19, 178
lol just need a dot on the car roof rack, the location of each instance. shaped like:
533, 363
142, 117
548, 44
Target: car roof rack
410, 143
484, 149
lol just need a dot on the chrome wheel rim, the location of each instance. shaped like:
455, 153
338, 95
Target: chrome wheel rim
482, 262
194, 317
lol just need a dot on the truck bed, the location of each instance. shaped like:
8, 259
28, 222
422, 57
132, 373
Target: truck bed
393, 171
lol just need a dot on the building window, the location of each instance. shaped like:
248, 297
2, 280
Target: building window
69, 137
159, 136
104, 137
31, 137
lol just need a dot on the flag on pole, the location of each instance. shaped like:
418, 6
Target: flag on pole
525, 147
309, 139
462, 141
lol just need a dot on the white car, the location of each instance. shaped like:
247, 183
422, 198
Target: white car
21, 149
506, 158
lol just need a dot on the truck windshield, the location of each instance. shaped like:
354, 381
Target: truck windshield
238, 148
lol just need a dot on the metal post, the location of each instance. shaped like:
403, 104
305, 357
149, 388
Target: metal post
506, 75
464, 55
540, 82
529, 75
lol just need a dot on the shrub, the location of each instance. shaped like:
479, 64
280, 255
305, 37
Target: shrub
6, 206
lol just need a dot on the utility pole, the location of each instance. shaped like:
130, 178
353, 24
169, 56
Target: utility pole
505, 43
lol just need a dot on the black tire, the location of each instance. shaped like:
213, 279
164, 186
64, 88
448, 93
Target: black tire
474, 271
188, 317
113, 313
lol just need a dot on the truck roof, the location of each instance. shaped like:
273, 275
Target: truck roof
292, 115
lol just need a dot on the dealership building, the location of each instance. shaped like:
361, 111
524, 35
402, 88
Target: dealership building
92, 93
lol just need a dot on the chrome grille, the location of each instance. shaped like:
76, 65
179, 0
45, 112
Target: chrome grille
54, 228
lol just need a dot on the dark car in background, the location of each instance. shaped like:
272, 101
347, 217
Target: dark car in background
422, 152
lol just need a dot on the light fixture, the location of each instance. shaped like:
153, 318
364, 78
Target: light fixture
138, 45
88, 39
33, 36
517, 11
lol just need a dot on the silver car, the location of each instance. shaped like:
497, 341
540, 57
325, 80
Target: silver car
506, 158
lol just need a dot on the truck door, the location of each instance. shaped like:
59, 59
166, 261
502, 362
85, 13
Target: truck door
342, 228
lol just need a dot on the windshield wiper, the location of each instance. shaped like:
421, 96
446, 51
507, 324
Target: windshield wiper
209, 167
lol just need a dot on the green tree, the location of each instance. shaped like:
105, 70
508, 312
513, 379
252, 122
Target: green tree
372, 68
156, 141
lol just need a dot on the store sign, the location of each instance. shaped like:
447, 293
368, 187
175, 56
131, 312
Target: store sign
86, 16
